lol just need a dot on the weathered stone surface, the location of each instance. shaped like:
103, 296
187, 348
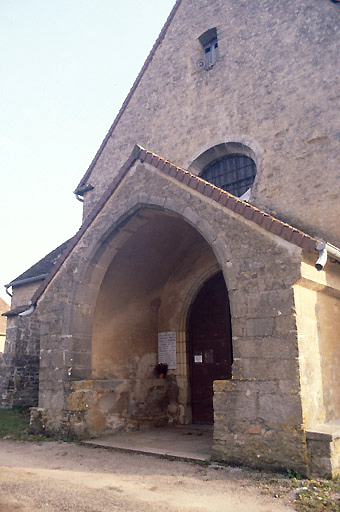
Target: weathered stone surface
266, 430
19, 365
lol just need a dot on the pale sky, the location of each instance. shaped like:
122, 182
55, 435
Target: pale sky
66, 67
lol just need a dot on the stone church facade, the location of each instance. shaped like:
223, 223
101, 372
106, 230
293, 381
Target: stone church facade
210, 216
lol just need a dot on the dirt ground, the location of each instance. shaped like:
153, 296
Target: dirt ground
59, 476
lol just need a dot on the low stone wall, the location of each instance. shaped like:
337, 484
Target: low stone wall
95, 407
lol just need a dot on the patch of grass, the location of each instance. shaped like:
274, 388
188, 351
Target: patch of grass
319, 495
14, 424
292, 474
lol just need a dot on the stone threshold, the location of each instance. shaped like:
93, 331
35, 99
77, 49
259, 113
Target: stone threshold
191, 443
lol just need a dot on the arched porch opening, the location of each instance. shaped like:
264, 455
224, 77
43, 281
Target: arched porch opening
160, 261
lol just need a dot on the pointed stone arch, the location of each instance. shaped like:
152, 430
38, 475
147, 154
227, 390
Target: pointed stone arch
158, 260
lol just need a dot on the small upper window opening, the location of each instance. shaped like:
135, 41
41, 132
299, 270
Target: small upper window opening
211, 52
209, 43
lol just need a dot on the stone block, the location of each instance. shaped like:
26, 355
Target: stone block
78, 343
107, 384
235, 406
238, 327
271, 347
76, 358
280, 410
271, 303
265, 369
81, 321
79, 400
260, 327
81, 385
76, 373
238, 304
285, 325
223, 385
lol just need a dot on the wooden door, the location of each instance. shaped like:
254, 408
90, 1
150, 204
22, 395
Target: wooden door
210, 346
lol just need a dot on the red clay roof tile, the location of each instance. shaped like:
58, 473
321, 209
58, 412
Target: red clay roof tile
173, 171
160, 164
267, 222
167, 168
240, 207
208, 190
193, 183
297, 237
286, 233
200, 187
215, 195
223, 199
258, 217
149, 158
248, 212
186, 178
231, 203
276, 227
180, 174
155, 160
142, 156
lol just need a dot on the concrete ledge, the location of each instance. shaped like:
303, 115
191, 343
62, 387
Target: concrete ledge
324, 432
323, 444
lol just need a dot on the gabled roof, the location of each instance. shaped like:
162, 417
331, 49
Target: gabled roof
82, 187
40, 270
187, 178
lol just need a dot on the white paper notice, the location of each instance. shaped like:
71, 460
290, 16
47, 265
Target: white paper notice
167, 349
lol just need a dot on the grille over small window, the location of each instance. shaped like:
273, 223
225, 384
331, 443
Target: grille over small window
234, 173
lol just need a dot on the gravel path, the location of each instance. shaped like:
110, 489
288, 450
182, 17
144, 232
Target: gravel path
57, 476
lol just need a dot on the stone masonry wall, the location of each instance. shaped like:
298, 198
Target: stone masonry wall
259, 270
274, 88
19, 364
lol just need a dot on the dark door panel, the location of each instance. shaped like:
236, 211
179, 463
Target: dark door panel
210, 346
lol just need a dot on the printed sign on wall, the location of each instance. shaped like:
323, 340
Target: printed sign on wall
167, 349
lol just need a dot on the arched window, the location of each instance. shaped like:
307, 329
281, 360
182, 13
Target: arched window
234, 173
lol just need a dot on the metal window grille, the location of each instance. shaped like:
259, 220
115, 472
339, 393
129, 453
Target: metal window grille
233, 173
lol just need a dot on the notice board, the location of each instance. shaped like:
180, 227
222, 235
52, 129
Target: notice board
167, 349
